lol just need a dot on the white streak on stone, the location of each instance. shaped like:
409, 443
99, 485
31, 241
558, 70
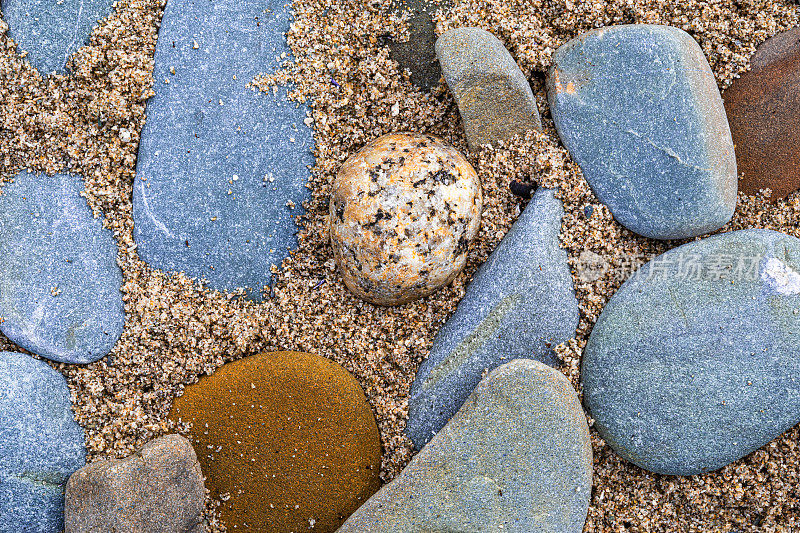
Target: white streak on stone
781, 277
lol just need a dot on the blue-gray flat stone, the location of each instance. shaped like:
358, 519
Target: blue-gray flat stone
41, 445
516, 458
59, 280
695, 362
639, 110
51, 31
220, 164
520, 304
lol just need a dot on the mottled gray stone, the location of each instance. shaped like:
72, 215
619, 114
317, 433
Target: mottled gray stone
220, 165
51, 31
493, 95
41, 445
520, 304
694, 363
639, 110
59, 280
418, 53
158, 489
516, 458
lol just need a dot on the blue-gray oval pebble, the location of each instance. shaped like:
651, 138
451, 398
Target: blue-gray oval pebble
59, 279
695, 361
41, 445
638, 109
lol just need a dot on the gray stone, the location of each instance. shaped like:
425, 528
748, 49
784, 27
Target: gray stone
222, 168
41, 445
694, 363
520, 304
516, 458
418, 54
59, 280
158, 489
639, 110
493, 95
51, 31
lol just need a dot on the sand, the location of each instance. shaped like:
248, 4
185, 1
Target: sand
176, 330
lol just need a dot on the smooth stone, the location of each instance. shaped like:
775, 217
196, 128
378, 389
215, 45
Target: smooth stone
520, 304
639, 110
159, 489
693, 363
763, 108
418, 54
516, 458
41, 445
287, 441
51, 31
222, 168
59, 279
403, 212
493, 95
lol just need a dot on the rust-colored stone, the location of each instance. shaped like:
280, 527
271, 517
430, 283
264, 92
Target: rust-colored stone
763, 108
287, 442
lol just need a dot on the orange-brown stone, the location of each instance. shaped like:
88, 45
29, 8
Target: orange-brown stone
763, 108
287, 441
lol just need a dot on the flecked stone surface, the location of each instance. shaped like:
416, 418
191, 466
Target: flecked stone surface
638, 108
403, 212
763, 108
52, 30
516, 458
222, 168
418, 53
41, 445
287, 442
520, 304
494, 97
59, 281
158, 489
694, 362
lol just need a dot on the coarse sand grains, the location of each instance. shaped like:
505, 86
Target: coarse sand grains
89, 123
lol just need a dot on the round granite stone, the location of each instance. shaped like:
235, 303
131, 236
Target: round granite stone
403, 212
286, 440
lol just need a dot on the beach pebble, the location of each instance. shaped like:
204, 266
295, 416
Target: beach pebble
158, 489
520, 304
41, 445
286, 440
763, 107
418, 54
59, 280
403, 212
693, 363
494, 97
639, 110
515, 458
51, 31
222, 168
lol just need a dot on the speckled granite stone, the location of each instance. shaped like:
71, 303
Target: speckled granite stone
41, 445
694, 363
59, 280
222, 168
403, 212
638, 108
516, 458
52, 30
494, 97
520, 304
157, 489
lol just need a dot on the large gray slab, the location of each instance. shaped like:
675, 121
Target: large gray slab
695, 362
516, 458
639, 110
52, 30
520, 304
41, 445
220, 165
59, 280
